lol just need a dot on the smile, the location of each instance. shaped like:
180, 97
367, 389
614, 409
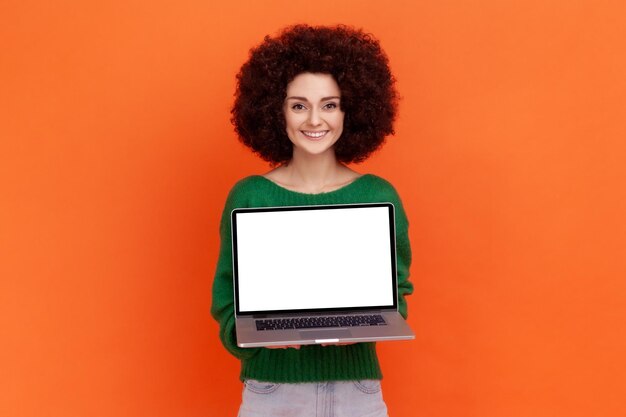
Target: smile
314, 134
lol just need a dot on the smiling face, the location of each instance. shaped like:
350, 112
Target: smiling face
313, 116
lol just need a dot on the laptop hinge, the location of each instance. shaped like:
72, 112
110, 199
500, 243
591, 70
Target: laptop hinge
319, 313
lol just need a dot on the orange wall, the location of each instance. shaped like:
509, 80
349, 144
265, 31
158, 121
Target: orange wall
116, 154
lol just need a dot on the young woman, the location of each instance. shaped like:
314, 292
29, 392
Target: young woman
310, 101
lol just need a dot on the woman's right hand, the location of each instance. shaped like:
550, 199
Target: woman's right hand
284, 347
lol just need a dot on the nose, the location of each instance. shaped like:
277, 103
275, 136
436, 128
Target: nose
314, 117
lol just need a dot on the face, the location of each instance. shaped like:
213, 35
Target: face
313, 117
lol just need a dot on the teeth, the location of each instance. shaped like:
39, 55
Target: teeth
315, 134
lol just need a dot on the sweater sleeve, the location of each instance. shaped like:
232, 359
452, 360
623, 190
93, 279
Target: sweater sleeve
403, 246
403, 253
223, 306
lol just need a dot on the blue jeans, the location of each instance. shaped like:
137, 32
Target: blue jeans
324, 399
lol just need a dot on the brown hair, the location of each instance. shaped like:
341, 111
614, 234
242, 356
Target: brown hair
356, 62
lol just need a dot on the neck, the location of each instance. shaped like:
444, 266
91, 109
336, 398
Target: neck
314, 173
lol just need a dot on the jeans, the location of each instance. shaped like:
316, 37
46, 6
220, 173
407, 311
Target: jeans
324, 399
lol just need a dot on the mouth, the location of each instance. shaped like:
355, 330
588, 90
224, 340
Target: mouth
314, 135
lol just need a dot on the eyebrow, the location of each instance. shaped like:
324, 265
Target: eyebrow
305, 99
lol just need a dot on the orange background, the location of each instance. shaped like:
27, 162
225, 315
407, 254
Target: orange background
116, 155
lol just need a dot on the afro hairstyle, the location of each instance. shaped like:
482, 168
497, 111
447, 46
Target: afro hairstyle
353, 58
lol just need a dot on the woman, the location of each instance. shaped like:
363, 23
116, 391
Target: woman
309, 101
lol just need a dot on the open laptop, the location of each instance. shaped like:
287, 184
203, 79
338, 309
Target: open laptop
316, 275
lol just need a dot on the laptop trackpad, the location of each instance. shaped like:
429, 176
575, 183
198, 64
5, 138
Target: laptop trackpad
325, 334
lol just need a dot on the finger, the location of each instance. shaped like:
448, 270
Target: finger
284, 347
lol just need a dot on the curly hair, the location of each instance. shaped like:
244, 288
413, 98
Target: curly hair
353, 58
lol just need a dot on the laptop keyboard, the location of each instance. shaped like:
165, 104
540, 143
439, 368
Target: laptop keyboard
320, 322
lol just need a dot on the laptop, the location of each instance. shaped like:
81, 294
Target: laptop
315, 275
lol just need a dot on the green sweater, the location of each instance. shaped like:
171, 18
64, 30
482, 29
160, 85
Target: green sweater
310, 363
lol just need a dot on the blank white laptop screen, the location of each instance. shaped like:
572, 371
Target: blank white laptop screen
314, 259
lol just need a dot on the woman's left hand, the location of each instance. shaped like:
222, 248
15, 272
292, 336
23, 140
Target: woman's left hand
338, 344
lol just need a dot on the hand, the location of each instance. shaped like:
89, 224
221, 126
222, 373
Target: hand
338, 344
298, 346
284, 347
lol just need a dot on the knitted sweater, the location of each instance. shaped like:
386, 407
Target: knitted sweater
310, 363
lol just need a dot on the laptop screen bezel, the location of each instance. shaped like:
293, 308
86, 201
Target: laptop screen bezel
392, 240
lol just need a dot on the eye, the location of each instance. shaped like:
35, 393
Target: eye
331, 106
298, 106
